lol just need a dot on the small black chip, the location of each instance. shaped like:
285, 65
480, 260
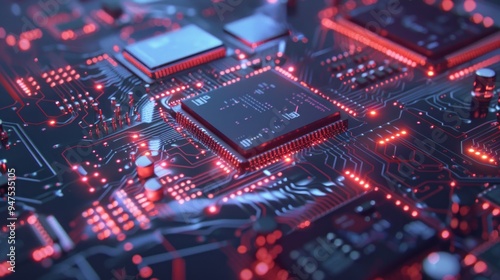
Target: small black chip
174, 51
491, 257
264, 113
493, 195
256, 29
75, 24
422, 28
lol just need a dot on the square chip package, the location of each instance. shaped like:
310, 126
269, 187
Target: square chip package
424, 28
422, 33
174, 51
256, 29
260, 119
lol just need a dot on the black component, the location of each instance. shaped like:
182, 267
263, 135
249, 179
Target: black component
363, 234
360, 58
464, 221
493, 195
422, 28
113, 7
74, 24
491, 257
379, 74
482, 92
361, 82
337, 67
261, 112
484, 80
4, 184
245, 29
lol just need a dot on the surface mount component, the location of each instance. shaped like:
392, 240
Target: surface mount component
260, 119
174, 51
422, 33
484, 84
256, 29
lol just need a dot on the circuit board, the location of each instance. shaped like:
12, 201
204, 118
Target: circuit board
249, 139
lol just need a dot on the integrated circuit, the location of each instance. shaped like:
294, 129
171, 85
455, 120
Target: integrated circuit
364, 233
260, 119
492, 196
174, 51
245, 29
423, 33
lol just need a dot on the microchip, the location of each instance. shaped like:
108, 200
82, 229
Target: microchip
75, 24
424, 33
260, 118
424, 28
256, 29
369, 232
492, 195
491, 257
174, 51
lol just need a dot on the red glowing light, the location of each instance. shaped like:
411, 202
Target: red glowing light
488, 22
430, 73
246, 274
477, 18
291, 69
447, 5
24, 44
445, 234
146, 272
470, 259
212, 209
261, 268
242, 56
469, 6
373, 113
480, 267
52, 122
242, 249
11, 40
98, 87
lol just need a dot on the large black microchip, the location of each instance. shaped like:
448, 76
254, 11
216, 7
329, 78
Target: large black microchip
261, 113
422, 28
260, 119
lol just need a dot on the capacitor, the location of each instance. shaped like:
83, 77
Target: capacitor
145, 166
127, 118
441, 265
117, 110
484, 84
153, 189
